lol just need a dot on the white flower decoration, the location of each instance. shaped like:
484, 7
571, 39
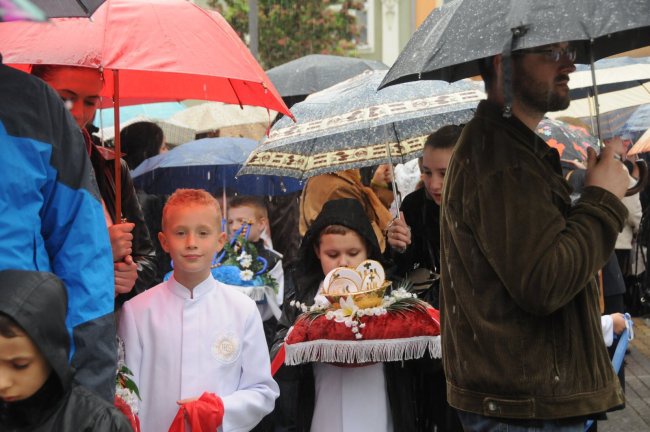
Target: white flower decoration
246, 275
245, 260
348, 306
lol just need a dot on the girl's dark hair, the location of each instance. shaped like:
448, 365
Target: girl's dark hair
43, 71
141, 141
8, 327
444, 138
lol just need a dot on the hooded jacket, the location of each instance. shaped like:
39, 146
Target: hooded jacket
408, 383
52, 218
37, 302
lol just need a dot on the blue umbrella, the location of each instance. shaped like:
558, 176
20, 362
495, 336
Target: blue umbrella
211, 164
158, 111
352, 125
639, 121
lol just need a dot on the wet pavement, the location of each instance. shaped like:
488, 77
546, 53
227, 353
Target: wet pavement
636, 415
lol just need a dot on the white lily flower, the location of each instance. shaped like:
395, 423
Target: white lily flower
348, 306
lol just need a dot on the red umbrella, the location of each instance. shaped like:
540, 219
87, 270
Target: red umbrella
149, 51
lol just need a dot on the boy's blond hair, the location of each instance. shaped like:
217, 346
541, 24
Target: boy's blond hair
256, 203
187, 197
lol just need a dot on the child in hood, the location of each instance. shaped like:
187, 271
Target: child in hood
36, 388
380, 397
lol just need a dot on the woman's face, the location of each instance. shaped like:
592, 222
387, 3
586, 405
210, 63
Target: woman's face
341, 250
433, 170
79, 88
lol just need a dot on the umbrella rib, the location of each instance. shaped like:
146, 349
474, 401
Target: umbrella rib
83, 7
235, 92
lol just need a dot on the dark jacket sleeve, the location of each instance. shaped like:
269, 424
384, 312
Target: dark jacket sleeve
110, 420
144, 254
288, 317
85, 412
527, 238
294, 408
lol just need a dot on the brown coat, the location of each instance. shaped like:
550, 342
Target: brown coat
520, 319
343, 184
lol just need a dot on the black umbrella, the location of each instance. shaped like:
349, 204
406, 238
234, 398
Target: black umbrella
455, 36
315, 72
68, 8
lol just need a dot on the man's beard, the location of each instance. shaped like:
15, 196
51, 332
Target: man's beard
537, 96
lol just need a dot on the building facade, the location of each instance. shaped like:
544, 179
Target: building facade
389, 24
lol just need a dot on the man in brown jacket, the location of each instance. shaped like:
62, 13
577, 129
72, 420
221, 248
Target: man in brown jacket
522, 341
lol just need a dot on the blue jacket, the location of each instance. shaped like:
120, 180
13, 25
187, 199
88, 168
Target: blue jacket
52, 219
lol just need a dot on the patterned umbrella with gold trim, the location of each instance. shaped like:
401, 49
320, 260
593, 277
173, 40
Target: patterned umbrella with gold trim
352, 125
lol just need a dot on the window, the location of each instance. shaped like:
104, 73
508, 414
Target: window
366, 22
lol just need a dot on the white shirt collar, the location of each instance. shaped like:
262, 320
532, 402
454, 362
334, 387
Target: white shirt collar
183, 292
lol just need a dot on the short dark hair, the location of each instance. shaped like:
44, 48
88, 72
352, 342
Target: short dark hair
249, 201
444, 138
140, 141
8, 327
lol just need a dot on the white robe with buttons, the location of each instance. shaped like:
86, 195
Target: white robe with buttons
179, 344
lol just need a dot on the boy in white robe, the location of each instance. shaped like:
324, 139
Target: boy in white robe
191, 334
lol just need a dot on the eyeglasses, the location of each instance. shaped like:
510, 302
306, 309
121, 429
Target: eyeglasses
553, 53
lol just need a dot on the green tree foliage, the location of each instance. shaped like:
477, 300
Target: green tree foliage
289, 29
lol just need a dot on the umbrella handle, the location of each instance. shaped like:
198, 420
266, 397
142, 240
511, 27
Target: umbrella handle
643, 178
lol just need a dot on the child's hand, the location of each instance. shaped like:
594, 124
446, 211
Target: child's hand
121, 240
619, 323
186, 401
126, 273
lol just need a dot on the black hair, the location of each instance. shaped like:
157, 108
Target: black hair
43, 71
444, 138
140, 141
8, 327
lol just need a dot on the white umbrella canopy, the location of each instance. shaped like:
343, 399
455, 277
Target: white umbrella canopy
610, 71
228, 119
630, 97
175, 134
622, 83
